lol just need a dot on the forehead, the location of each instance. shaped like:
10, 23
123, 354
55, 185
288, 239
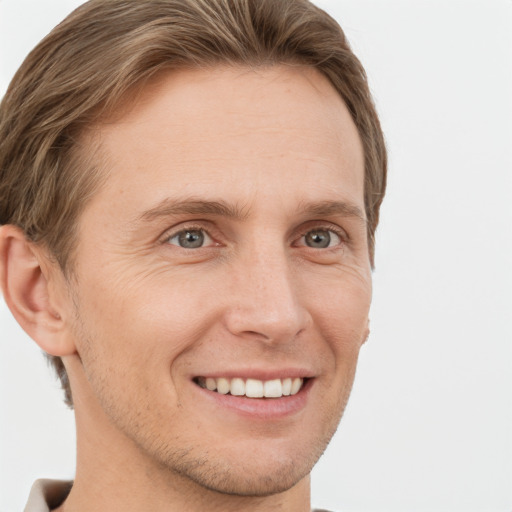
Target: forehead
234, 130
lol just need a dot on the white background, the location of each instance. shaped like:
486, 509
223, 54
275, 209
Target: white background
429, 424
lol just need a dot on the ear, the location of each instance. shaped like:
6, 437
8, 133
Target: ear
34, 290
366, 332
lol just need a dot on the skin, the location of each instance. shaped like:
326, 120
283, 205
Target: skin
142, 316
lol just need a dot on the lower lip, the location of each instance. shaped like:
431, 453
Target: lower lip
260, 408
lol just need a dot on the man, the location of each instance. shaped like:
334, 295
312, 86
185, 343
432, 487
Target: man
189, 194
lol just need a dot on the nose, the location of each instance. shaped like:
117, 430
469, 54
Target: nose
264, 302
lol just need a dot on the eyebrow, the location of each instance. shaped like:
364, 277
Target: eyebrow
193, 206
329, 208
169, 207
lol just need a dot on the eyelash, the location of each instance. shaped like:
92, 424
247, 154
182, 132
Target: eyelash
169, 236
341, 234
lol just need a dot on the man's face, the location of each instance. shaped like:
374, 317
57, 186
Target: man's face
227, 248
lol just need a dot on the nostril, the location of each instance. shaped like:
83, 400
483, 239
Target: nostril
256, 334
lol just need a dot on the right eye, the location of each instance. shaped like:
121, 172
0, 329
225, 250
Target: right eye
191, 239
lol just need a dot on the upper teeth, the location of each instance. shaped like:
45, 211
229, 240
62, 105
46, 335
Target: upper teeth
253, 388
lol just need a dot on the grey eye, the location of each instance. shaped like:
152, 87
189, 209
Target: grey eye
321, 238
190, 238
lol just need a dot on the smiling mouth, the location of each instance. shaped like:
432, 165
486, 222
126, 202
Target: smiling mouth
252, 388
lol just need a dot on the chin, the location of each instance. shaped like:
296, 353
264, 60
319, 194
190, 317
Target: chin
245, 480
258, 470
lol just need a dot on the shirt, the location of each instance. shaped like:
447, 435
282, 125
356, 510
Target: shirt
48, 494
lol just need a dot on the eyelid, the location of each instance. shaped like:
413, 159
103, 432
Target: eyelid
209, 229
188, 226
327, 226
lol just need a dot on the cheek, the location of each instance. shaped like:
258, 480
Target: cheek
341, 317
342, 308
145, 321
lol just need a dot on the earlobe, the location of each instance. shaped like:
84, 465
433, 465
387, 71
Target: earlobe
24, 279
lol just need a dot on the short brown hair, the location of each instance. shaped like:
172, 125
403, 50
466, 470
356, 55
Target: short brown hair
85, 67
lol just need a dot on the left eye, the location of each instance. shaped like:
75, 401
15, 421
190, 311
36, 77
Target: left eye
191, 239
321, 238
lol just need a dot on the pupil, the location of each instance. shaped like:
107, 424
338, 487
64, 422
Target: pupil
318, 239
191, 239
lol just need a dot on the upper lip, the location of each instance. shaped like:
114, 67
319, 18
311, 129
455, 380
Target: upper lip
258, 374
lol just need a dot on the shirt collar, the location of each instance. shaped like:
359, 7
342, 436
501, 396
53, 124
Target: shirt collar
47, 494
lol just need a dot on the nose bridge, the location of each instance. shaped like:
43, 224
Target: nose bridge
265, 302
